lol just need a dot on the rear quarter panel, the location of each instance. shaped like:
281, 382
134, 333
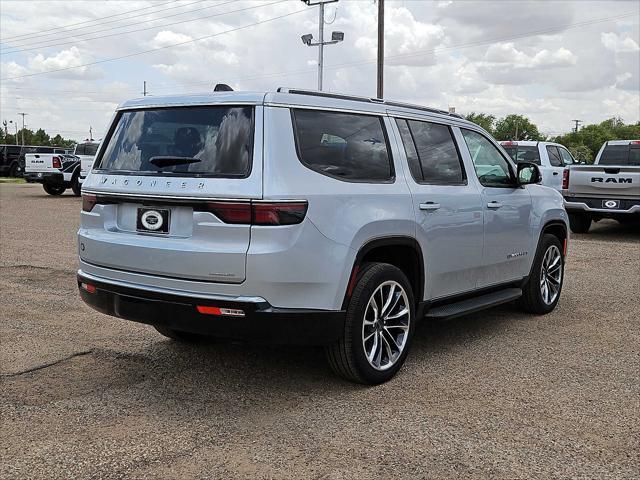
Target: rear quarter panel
348, 214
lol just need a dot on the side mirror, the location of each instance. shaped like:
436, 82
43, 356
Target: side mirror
528, 173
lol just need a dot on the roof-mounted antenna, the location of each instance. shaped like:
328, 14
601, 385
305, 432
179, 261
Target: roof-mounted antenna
222, 87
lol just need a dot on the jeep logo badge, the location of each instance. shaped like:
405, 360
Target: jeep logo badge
151, 220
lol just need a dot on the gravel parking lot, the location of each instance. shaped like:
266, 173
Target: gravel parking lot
498, 394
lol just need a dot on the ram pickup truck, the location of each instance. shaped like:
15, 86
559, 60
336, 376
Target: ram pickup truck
86, 151
610, 188
552, 159
55, 171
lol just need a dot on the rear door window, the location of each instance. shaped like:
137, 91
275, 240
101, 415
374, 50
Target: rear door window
209, 141
432, 153
567, 159
554, 156
346, 146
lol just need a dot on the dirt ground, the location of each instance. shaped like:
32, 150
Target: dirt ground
498, 394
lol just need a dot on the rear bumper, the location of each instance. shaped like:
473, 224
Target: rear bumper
594, 205
44, 177
261, 322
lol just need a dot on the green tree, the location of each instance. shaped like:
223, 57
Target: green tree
485, 120
516, 127
592, 137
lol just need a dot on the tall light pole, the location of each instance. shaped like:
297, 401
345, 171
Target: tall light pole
335, 36
23, 115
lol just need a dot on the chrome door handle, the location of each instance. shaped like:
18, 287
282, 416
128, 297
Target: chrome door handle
494, 204
429, 206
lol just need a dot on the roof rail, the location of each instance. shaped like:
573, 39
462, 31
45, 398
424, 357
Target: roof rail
356, 98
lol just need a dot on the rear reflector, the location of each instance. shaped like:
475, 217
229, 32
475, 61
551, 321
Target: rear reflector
56, 163
231, 312
88, 202
565, 179
88, 287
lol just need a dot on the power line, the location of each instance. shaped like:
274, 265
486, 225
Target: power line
57, 29
158, 48
427, 52
38, 46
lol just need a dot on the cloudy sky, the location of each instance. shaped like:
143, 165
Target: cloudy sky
69, 63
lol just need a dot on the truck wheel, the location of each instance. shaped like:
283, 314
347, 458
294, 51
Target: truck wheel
75, 185
186, 337
542, 291
579, 223
53, 189
13, 170
378, 329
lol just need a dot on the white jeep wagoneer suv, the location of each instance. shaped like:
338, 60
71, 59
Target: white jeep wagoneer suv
305, 217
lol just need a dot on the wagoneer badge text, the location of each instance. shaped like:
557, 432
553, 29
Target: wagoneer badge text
151, 183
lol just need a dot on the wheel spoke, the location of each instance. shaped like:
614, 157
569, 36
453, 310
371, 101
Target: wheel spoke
393, 305
388, 301
392, 338
374, 347
401, 313
387, 347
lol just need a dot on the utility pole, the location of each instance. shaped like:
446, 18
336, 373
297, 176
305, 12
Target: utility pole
380, 89
516, 139
578, 122
90, 133
144, 88
335, 36
23, 115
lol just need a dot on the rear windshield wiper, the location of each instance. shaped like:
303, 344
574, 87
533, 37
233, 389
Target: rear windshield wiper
170, 161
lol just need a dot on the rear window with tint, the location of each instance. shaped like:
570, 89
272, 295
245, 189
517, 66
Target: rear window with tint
86, 149
183, 141
431, 152
522, 153
620, 155
346, 146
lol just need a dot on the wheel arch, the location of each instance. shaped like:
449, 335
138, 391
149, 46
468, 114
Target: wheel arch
557, 228
403, 252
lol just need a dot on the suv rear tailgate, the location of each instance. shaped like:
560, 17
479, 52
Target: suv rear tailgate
197, 244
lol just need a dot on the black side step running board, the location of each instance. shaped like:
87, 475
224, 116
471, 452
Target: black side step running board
474, 304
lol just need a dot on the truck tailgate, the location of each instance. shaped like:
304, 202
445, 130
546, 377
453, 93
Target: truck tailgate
604, 181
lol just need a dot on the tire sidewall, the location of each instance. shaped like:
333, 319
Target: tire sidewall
53, 189
372, 278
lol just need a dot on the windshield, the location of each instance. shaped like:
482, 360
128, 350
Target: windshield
215, 141
620, 155
521, 153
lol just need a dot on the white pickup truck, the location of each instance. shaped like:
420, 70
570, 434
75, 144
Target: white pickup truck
552, 159
610, 188
56, 171
86, 151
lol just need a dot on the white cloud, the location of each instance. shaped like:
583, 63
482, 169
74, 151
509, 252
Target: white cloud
616, 43
167, 37
507, 53
72, 57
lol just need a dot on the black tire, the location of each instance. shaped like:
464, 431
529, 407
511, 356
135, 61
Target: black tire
75, 185
579, 223
186, 337
13, 170
347, 357
53, 189
532, 300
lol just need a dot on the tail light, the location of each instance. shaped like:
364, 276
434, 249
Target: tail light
635, 142
88, 202
565, 179
508, 144
56, 162
259, 213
